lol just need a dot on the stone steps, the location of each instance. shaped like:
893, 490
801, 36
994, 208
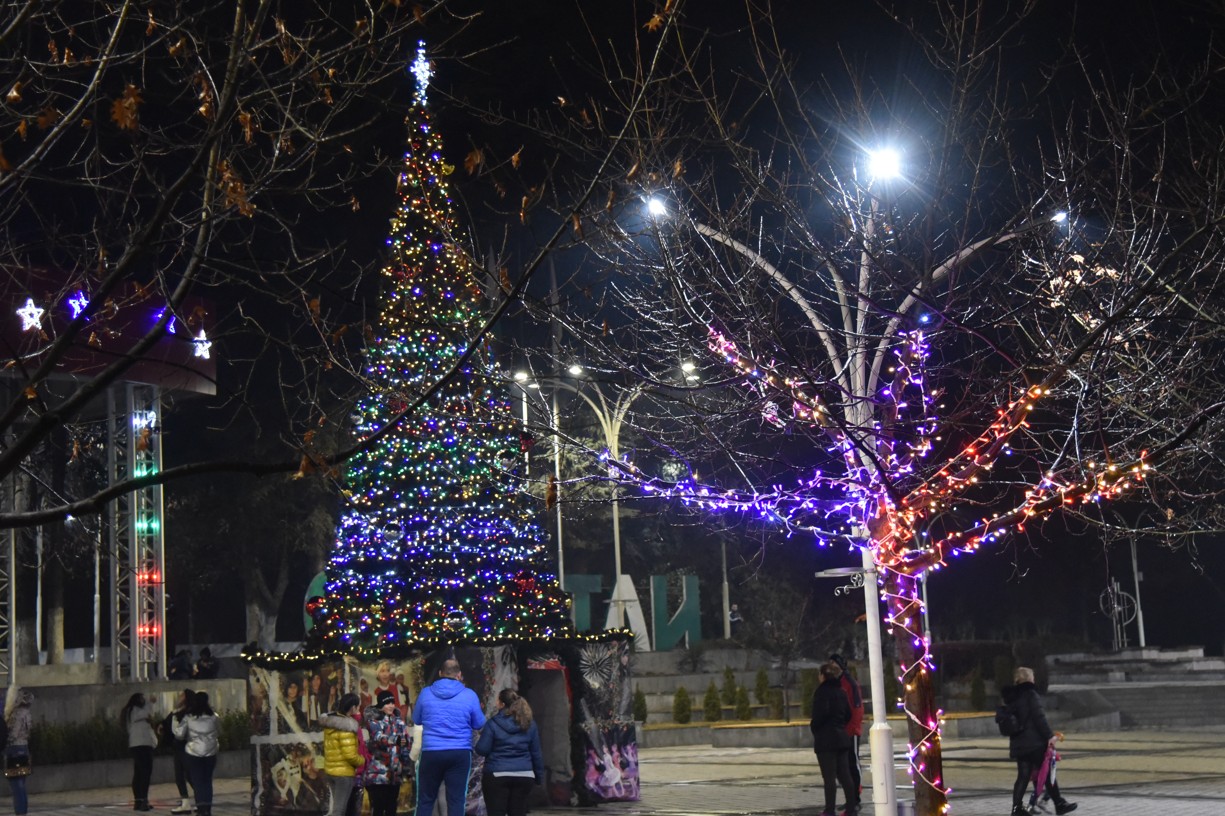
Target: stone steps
1150, 705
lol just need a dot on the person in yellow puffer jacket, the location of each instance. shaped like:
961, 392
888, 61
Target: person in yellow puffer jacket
341, 757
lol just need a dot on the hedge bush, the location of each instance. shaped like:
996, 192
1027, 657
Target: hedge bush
809, 680
640, 705
744, 711
774, 700
712, 704
729, 686
102, 738
682, 706
978, 691
761, 686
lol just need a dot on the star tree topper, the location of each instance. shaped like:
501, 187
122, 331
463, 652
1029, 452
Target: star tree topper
422, 71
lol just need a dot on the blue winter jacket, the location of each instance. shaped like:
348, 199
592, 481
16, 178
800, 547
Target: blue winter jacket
448, 712
507, 747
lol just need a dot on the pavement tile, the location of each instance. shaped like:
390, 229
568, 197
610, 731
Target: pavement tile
1173, 773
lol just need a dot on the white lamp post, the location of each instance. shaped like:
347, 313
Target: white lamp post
611, 416
880, 735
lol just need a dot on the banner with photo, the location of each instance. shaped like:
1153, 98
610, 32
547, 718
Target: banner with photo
587, 687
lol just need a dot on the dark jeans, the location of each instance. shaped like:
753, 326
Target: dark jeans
200, 772
180, 769
835, 771
142, 771
436, 767
1027, 765
383, 799
21, 802
506, 795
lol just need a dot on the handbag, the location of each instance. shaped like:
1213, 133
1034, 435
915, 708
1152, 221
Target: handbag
17, 766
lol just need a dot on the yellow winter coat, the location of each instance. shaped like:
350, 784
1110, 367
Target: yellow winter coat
340, 755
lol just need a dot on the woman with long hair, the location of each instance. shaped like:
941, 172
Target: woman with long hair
342, 757
17, 751
136, 718
510, 743
200, 730
181, 704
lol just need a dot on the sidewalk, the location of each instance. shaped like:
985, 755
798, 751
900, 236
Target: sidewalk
1174, 773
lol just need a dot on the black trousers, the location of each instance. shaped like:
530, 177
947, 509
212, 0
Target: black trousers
856, 773
180, 768
1027, 764
506, 795
383, 799
835, 771
142, 772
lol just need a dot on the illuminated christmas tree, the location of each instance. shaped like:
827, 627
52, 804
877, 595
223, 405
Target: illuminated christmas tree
435, 544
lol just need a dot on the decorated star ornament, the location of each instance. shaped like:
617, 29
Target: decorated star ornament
422, 71
202, 345
31, 315
77, 303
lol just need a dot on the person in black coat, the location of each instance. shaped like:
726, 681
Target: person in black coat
830, 741
1028, 746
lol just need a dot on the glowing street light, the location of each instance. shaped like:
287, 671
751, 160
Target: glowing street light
884, 164
656, 207
576, 370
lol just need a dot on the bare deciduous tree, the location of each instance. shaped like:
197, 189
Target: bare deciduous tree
1018, 318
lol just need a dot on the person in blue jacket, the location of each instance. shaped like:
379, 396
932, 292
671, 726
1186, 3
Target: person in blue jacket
510, 744
448, 712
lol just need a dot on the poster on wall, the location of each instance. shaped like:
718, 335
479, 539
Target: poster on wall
610, 766
287, 704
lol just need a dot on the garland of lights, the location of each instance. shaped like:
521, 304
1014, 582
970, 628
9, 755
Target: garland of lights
823, 503
434, 545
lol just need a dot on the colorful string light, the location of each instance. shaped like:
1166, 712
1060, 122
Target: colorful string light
435, 544
880, 488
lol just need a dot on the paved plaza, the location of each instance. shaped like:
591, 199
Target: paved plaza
1172, 773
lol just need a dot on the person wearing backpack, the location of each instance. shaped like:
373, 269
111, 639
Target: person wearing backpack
1031, 738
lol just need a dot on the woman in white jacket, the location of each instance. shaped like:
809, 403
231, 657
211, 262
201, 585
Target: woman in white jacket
200, 730
137, 717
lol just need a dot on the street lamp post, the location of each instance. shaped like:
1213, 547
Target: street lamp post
525, 382
611, 415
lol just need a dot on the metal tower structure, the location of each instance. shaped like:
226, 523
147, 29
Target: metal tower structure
135, 540
8, 588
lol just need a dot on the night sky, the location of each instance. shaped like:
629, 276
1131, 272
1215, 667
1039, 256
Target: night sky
521, 56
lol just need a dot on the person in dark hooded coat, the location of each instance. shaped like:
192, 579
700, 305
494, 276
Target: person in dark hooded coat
1029, 745
510, 744
830, 741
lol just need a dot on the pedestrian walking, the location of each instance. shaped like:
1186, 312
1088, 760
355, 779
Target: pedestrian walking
830, 714
341, 758
1029, 745
17, 763
854, 696
178, 749
510, 743
389, 763
201, 732
448, 713
137, 718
